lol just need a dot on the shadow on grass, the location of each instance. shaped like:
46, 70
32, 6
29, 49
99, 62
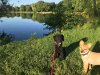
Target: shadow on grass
96, 69
72, 47
97, 47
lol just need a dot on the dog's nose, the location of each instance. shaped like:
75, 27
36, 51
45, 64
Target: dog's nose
82, 51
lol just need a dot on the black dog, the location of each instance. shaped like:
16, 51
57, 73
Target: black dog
58, 45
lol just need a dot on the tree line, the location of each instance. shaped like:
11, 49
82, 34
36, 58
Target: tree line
87, 6
5, 6
40, 6
91, 7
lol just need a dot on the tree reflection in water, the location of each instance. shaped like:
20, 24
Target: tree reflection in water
5, 38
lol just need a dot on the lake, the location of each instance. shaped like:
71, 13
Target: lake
23, 28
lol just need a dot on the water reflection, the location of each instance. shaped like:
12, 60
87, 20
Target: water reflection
5, 38
22, 29
57, 20
1, 20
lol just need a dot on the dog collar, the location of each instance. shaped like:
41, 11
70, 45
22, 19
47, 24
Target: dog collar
83, 54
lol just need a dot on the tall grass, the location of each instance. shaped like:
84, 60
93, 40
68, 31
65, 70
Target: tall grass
33, 57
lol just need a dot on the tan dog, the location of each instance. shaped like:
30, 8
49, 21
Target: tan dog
88, 56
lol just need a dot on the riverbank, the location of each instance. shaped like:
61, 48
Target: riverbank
33, 56
33, 12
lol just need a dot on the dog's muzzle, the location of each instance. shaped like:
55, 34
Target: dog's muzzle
84, 53
58, 44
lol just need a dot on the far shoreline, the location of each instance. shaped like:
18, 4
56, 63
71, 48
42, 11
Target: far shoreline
34, 12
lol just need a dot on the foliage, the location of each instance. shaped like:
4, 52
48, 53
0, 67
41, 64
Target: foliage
4, 5
59, 8
17, 9
33, 7
87, 6
40, 6
74, 21
68, 4
22, 8
55, 21
5, 38
28, 8
3, 2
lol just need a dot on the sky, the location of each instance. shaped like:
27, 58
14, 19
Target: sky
26, 2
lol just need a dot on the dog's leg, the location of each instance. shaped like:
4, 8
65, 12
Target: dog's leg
90, 66
86, 67
61, 54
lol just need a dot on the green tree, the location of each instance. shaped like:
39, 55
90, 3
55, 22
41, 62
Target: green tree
88, 6
4, 2
68, 4
13, 9
3, 5
39, 6
94, 7
60, 8
33, 7
98, 6
51, 6
17, 8
22, 8
28, 8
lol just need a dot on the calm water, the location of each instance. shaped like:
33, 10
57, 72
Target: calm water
22, 28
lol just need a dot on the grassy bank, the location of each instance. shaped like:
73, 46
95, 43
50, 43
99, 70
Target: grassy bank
33, 57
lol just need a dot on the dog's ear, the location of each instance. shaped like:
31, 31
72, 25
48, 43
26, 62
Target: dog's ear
62, 37
89, 45
81, 43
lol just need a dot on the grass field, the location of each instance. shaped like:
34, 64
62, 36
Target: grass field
33, 56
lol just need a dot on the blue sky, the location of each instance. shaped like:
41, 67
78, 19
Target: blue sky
24, 2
